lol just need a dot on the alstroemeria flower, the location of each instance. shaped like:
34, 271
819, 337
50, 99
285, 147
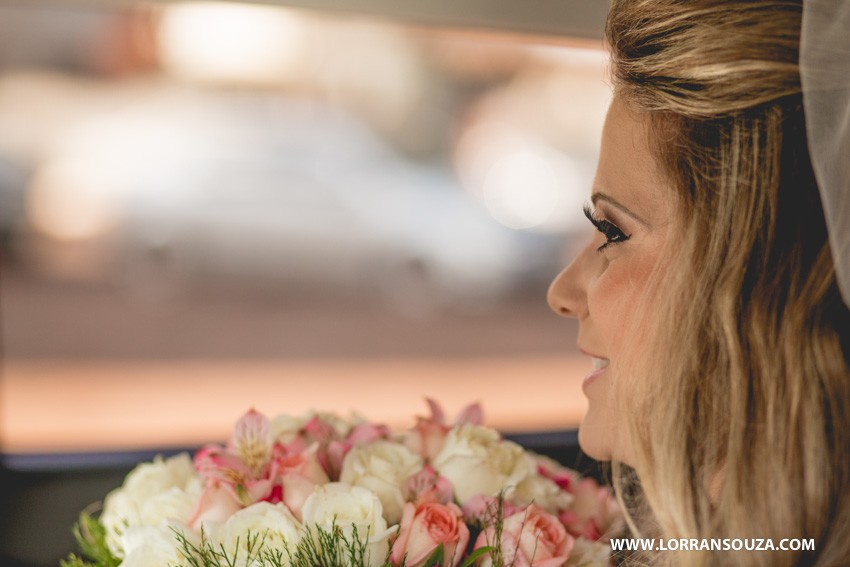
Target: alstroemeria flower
252, 441
253, 468
361, 434
554, 471
216, 504
244, 467
334, 441
321, 428
428, 435
297, 477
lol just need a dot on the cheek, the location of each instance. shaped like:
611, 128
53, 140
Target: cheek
612, 301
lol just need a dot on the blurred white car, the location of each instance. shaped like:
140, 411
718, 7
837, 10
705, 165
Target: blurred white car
303, 196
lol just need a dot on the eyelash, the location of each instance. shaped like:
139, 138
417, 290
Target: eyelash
612, 233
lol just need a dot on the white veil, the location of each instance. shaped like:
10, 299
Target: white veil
825, 74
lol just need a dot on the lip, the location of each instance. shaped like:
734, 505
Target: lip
590, 378
588, 353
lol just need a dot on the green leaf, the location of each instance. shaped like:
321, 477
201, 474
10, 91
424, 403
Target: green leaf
473, 557
91, 539
436, 558
73, 561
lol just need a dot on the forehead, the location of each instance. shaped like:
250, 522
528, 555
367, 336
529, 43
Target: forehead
627, 170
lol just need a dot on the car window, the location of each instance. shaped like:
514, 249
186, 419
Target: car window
149, 153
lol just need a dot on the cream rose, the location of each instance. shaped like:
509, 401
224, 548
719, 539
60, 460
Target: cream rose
543, 492
273, 524
587, 553
151, 493
153, 546
353, 509
476, 460
285, 428
384, 468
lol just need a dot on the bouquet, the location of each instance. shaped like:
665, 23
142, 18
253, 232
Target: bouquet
323, 491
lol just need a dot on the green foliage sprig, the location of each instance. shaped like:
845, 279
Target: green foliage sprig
319, 547
91, 540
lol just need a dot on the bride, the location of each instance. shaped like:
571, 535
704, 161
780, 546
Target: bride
711, 298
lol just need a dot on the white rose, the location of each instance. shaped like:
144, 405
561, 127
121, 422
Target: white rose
476, 460
272, 524
543, 492
353, 509
586, 553
285, 428
153, 546
152, 492
383, 467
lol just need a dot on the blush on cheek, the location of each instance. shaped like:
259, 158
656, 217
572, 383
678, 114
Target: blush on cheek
618, 304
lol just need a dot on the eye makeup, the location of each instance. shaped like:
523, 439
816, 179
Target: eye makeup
613, 234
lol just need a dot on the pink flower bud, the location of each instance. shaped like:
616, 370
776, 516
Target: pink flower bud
428, 486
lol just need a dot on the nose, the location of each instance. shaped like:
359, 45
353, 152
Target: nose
567, 295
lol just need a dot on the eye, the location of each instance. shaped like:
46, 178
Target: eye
613, 234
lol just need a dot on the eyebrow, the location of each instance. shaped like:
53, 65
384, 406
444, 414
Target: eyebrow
598, 196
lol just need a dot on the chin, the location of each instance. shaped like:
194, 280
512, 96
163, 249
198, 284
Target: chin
593, 439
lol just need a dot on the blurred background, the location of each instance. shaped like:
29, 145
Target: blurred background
208, 206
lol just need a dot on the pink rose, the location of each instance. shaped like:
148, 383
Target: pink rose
531, 538
482, 510
593, 513
428, 486
424, 528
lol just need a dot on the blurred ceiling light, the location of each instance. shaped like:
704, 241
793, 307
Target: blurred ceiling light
521, 190
523, 183
231, 43
68, 200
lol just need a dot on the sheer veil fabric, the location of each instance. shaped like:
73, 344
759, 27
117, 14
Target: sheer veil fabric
825, 74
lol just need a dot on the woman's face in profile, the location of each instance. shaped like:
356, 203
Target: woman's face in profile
633, 211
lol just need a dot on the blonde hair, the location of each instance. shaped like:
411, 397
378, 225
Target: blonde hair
749, 430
